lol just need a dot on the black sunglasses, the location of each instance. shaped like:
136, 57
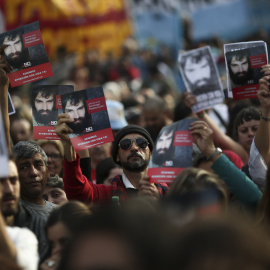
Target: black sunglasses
140, 142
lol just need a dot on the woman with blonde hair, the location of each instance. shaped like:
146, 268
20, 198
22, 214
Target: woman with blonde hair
198, 189
55, 152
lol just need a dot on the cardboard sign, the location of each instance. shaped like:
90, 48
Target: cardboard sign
11, 109
201, 78
25, 52
91, 126
46, 105
172, 152
243, 63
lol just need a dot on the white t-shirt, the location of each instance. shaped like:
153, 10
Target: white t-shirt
26, 246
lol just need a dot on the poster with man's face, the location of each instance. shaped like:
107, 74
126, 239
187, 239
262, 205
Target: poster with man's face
91, 125
24, 50
243, 63
46, 105
201, 77
172, 152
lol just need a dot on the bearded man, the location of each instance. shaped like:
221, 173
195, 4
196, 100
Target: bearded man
132, 149
43, 107
74, 105
239, 68
15, 52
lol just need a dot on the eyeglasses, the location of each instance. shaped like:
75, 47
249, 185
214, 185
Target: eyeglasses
140, 142
54, 156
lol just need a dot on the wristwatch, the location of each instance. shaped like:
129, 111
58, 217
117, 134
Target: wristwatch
216, 153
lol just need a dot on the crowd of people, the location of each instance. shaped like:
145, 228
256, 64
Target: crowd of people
97, 208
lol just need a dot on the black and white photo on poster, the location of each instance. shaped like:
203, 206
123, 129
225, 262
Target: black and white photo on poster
201, 77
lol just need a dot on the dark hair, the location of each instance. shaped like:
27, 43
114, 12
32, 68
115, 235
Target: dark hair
170, 152
181, 110
246, 114
130, 227
45, 92
238, 55
103, 169
11, 36
74, 99
69, 214
194, 179
195, 57
221, 243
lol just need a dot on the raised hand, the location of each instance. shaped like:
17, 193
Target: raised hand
264, 92
203, 137
190, 99
62, 129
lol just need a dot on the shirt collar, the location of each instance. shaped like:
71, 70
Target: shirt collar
126, 182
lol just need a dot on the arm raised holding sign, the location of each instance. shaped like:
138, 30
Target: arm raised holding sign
4, 83
222, 140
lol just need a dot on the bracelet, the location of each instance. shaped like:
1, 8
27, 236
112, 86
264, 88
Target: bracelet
216, 153
264, 117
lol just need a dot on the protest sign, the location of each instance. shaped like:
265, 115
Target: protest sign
91, 126
46, 105
201, 78
11, 109
243, 63
172, 152
25, 52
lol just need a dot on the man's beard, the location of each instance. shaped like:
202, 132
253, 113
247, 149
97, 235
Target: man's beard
45, 119
82, 125
201, 83
139, 165
18, 62
11, 209
241, 80
160, 159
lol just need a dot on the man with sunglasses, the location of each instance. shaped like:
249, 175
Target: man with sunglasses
132, 149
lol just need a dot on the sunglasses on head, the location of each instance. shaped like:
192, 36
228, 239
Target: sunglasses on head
140, 142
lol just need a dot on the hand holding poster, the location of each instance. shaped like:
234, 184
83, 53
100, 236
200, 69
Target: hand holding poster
46, 105
201, 78
91, 126
172, 152
26, 54
243, 63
